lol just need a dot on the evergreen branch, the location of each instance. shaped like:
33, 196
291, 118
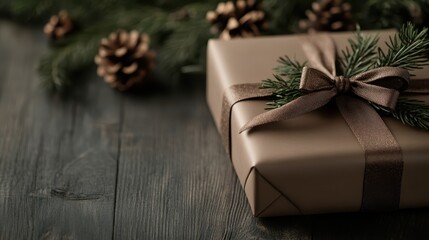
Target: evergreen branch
382, 14
185, 48
408, 49
289, 68
361, 55
82, 10
410, 112
284, 90
284, 15
57, 68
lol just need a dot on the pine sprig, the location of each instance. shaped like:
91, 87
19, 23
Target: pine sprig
289, 68
408, 49
411, 112
360, 56
185, 50
285, 86
57, 67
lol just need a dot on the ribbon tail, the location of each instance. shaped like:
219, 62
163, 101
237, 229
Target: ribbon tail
295, 108
383, 157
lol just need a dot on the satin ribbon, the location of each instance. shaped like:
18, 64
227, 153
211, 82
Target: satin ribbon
231, 96
383, 157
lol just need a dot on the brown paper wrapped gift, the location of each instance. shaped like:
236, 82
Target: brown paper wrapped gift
310, 164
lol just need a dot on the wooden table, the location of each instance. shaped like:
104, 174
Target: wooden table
100, 164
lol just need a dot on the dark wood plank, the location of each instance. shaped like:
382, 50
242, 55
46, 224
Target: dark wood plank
57, 155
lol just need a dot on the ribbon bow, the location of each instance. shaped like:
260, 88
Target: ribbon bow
321, 84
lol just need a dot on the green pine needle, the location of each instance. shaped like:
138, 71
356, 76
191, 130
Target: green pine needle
185, 47
285, 86
411, 112
57, 68
360, 56
408, 49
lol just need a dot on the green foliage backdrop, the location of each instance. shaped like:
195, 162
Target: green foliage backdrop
177, 28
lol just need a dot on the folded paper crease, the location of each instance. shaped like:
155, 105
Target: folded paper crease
264, 194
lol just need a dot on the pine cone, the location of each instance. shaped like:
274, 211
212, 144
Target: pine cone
242, 18
328, 15
124, 59
58, 25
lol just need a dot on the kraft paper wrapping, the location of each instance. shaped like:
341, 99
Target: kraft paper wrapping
312, 164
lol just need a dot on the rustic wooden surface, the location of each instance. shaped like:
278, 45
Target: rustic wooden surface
99, 164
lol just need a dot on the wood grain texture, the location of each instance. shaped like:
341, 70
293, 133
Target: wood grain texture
57, 156
104, 165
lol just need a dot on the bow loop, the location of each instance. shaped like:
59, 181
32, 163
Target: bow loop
313, 79
388, 77
386, 97
381, 85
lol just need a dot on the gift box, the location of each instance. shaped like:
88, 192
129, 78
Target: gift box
313, 163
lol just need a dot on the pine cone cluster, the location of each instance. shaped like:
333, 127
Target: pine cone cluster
124, 59
58, 25
238, 19
328, 15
